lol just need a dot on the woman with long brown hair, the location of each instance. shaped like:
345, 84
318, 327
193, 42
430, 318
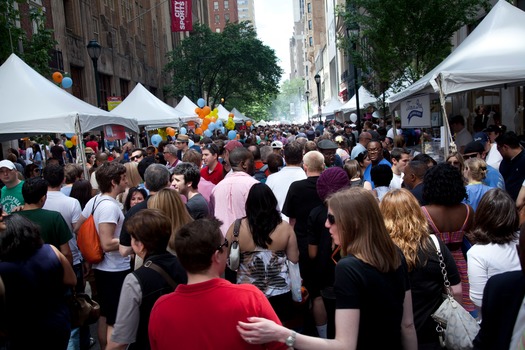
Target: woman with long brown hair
408, 228
373, 298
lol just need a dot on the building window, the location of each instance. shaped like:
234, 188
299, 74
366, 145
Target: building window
226, 17
311, 41
124, 88
309, 24
309, 7
105, 90
95, 28
216, 5
226, 4
217, 19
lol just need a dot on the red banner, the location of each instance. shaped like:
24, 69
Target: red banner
181, 19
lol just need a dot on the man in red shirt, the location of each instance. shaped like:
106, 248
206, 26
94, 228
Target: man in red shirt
204, 314
93, 143
213, 168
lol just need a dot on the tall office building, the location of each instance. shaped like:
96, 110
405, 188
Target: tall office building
221, 12
246, 11
297, 68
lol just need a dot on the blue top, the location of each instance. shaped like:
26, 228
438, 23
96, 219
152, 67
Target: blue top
367, 175
474, 193
494, 178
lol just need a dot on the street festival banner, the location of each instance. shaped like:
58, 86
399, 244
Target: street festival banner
181, 19
113, 102
415, 112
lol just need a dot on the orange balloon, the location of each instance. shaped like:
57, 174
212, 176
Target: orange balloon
206, 110
197, 110
214, 119
170, 131
248, 123
74, 139
57, 77
198, 131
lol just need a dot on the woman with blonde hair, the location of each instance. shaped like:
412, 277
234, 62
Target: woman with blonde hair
475, 172
371, 279
134, 180
170, 203
408, 228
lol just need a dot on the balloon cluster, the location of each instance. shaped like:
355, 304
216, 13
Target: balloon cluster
59, 79
209, 119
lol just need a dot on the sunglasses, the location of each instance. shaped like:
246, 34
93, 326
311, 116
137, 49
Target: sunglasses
135, 157
331, 219
471, 155
225, 244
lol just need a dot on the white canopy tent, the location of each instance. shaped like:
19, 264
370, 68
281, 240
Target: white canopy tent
261, 123
31, 105
365, 99
148, 109
187, 107
492, 55
333, 106
238, 117
223, 113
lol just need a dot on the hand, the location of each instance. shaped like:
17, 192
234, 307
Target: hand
260, 330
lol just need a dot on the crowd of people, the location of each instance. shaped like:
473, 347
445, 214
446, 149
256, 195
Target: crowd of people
356, 209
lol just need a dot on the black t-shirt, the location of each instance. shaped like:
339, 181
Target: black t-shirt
125, 238
427, 286
198, 207
379, 297
318, 235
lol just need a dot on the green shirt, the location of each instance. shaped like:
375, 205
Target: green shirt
53, 228
12, 197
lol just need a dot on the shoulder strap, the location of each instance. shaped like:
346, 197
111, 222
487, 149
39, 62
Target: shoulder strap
264, 167
430, 221
150, 264
442, 265
466, 218
436, 242
95, 205
236, 228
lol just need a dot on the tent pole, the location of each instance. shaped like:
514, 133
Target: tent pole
82, 156
450, 146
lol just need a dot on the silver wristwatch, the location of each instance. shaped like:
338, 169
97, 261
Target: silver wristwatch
290, 341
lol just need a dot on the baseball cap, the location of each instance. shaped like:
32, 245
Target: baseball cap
277, 144
474, 147
327, 144
232, 144
7, 164
480, 137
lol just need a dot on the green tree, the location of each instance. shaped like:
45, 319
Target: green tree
401, 40
233, 65
35, 48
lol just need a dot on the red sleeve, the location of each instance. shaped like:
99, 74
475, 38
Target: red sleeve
267, 312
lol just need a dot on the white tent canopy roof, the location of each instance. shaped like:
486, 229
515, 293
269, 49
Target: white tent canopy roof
332, 106
238, 117
223, 112
31, 104
187, 107
365, 99
147, 108
492, 55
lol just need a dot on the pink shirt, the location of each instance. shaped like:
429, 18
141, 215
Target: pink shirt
228, 198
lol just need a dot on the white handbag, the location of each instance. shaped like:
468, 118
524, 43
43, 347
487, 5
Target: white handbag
235, 250
456, 327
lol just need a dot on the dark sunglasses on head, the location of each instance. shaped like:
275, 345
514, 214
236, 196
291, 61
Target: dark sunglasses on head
225, 244
331, 219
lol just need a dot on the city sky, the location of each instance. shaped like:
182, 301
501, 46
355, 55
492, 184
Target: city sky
274, 20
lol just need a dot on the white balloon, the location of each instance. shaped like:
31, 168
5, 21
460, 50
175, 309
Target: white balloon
353, 117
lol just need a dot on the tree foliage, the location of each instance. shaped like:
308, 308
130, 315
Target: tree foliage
33, 48
233, 65
401, 40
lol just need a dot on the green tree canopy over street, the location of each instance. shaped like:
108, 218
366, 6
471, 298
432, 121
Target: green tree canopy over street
402, 40
33, 49
233, 65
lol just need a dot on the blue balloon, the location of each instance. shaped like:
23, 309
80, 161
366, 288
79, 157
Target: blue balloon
201, 103
223, 130
232, 134
69, 135
67, 82
219, 123
191, 143
155, 140
208, 132
183, 131
212, 126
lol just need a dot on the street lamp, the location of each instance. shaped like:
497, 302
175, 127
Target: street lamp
353, 34
307, 94
318, 81
94, 50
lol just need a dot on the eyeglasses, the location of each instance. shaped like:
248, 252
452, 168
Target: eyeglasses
470, 155
225, 244
331, 219
135, 157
